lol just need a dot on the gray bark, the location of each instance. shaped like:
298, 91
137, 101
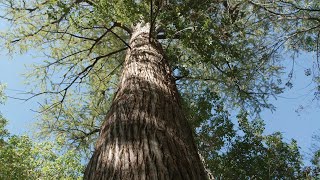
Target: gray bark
146, 134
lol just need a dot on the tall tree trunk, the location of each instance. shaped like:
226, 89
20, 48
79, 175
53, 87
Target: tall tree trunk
146, 134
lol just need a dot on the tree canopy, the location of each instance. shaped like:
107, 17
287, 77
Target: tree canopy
226, 56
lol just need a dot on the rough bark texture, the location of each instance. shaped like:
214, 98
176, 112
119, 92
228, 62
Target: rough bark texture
146, 134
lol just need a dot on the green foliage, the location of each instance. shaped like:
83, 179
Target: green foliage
3, 131
247, 153
316, 159
313, 171
21, 158
236, 147
123, 11
216, 49
15, 158
2, 96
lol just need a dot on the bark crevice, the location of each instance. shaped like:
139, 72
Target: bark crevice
145, 134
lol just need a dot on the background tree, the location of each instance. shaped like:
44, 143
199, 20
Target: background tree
23, 158
248, 153
313, 171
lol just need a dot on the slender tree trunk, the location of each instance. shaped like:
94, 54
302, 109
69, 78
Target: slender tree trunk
145, 134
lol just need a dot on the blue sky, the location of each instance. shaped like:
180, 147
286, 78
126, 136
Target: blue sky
19, 113
297, 114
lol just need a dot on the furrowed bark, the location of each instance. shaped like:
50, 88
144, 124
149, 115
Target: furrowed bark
146, 134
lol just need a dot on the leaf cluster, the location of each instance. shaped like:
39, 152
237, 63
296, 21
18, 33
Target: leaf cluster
22, 158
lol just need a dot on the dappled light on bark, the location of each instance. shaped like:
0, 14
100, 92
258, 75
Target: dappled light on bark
145, 134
